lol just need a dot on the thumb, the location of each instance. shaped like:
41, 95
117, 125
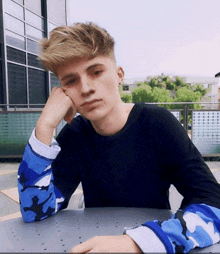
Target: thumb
81, 248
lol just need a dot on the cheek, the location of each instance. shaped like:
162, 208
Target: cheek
109, 90
110, 85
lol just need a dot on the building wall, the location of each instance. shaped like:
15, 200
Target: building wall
207, 82
25, 23
219, 97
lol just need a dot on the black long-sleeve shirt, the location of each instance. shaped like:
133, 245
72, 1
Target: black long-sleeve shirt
133, 168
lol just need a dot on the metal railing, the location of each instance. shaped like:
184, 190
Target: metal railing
18, 120
186, 110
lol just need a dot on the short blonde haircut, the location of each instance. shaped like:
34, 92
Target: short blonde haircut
77, 41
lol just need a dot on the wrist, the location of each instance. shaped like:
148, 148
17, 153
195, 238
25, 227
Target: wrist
43, 149
133, 243
44, 134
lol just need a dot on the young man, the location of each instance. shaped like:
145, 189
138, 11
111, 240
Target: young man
124, 154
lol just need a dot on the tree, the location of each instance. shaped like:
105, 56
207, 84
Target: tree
200, 88
126, 97
154, 82
166, 89
187, 95
143, 93
161, 95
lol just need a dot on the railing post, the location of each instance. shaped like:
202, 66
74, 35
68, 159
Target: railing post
185, 117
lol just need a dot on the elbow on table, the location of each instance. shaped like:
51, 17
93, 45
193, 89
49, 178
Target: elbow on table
34, 210
30, 216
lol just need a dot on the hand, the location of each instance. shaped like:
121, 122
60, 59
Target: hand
59, 106
121, 243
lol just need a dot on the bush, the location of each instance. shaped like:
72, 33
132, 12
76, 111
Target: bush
126, 97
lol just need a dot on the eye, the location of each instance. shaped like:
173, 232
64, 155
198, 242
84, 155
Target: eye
98, 72
70, 82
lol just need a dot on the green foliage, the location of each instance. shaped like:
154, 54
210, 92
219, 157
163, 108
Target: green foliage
184, 94
179, 83
154, 82
126, 97
200, 88
161, 95
120, 89
141, 83
142, 94
170, 86
165, 89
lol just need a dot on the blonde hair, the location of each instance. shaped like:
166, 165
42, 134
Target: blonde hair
77, 41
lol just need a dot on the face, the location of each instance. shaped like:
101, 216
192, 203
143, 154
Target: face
92, 84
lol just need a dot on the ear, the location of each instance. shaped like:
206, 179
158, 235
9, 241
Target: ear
121, 75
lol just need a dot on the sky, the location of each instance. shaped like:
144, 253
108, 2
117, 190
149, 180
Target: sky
152, 37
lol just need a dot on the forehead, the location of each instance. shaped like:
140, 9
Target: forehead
80, 65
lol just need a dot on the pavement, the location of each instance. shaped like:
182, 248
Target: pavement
9, 199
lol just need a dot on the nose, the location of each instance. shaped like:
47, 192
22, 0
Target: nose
87, 88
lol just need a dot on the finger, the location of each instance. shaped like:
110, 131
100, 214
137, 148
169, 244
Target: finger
81, 248
54, 89
70, 115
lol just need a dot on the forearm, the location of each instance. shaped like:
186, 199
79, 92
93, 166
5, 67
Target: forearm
39, 198
43, 133
59, 106
197, 226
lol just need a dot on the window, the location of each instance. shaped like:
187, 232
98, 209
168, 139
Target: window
16, 55
37, 87
33, 47
34, 20
1, 29
14, 24
54, 81
17, 84
25, 22
34, 33
125, 88
33, 61
1, 81
56, 11
19, 1
34, 5
51, 27
14, 9
15, 40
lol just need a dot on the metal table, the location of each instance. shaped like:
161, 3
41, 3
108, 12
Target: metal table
68, 228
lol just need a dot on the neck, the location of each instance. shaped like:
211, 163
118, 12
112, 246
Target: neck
114, 121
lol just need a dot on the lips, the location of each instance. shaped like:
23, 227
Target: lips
90, 102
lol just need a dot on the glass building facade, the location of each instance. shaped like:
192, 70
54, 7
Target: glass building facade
23, 23
24, 84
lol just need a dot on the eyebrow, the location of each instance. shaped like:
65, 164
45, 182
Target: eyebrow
94, 66
72, 74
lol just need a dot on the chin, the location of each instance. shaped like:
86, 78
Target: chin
94, 115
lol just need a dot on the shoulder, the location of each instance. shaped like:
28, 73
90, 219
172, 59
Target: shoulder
159, 121
154, 113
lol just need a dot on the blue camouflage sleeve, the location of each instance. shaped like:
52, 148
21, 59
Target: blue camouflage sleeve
39, 198
196, 226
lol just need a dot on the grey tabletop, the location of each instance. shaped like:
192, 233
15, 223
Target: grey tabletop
68, 228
